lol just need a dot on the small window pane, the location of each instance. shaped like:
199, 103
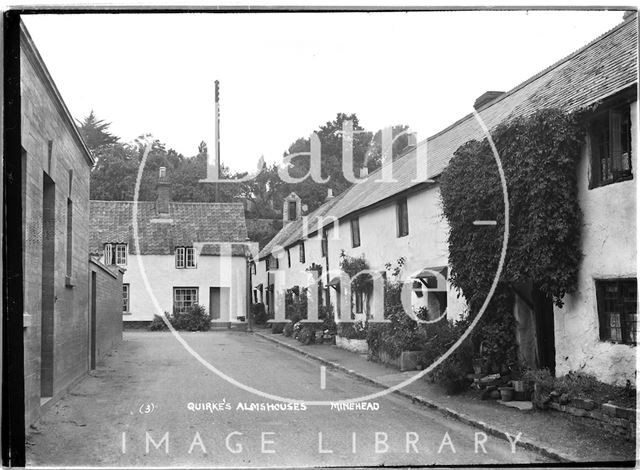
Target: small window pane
617, 309
179, 257
191, 257
125, 297
121, 255
183, 298
402, 218
355, 233
108, 254
292, 210
610, 135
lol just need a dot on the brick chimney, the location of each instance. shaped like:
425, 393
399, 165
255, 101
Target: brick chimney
164, 192
486, 97
329, 194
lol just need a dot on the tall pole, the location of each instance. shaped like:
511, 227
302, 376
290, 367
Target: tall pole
216, 137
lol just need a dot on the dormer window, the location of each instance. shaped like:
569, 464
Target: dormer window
185, 257
115, 254
291, 208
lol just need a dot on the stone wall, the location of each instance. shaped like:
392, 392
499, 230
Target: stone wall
56, 167
611, 418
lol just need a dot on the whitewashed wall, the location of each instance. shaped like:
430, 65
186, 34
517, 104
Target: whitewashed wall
609, 247
425, 245
163, 277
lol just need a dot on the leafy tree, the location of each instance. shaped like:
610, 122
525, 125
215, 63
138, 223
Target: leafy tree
265, 192
367, 152
95, 132
113, 176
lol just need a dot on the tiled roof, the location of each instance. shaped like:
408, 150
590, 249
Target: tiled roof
187, 223
296, 230
604, 66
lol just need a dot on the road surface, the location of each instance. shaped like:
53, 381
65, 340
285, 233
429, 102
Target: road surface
152, 403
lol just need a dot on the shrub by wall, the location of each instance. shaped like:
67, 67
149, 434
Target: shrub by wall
194, 318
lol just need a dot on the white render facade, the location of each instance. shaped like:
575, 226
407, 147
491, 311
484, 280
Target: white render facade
185, 253
220, 285
595, 330
424, 247
609, 253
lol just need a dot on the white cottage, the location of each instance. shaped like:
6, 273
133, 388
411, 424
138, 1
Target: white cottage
186, 253
595, 330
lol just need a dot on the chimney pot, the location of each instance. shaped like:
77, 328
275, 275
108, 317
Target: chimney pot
164, 192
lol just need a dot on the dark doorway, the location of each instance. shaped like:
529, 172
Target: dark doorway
48, 287
92, 320
271, 301
219, 303
545, 330
214, 303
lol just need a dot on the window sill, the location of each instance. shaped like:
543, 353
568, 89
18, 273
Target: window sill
609, 183
622, 343
69, 281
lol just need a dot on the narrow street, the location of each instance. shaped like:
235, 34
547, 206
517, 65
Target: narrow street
103, 421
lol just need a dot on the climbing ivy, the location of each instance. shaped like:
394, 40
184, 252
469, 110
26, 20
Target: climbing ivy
353, 267
539, 156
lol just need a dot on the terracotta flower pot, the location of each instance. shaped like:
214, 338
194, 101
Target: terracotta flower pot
506, 393
518, 385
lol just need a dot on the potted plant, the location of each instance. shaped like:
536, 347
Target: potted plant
478, 366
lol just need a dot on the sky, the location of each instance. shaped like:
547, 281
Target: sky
282, 75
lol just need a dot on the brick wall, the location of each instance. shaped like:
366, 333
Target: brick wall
108, 307
51, 147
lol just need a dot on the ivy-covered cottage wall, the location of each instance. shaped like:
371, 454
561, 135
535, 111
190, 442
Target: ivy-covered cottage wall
609, 251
